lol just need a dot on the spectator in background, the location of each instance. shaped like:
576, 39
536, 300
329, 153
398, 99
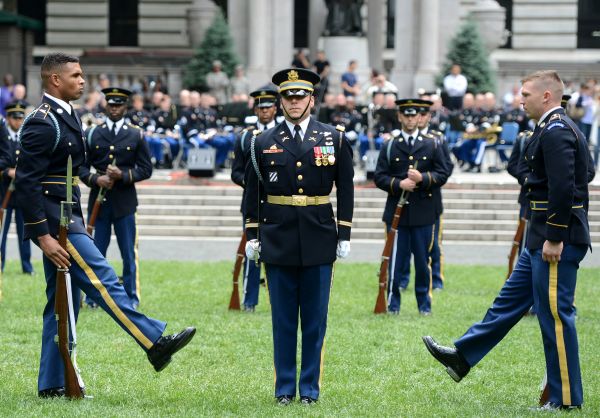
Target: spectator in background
239, 82
218, 83
300, 60
350, 84
156, 100
322, 67
455, 86
379, 83
6, 92
586, 103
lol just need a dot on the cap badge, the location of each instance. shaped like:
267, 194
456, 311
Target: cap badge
293, 75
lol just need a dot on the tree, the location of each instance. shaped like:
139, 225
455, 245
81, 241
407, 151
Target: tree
467, 50
217, 45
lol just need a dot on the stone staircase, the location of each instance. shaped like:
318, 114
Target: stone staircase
473, 212
478, 210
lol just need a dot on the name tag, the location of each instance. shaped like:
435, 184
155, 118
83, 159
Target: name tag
272, 151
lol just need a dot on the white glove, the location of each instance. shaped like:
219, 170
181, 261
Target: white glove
343, 249
252, 248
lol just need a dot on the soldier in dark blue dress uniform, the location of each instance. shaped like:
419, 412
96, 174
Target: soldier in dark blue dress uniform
558, 239
290, 221
115, 140
52, 133
15, 113
265, 109
396, 172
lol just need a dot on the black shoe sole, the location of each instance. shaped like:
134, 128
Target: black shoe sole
449, 369
182, 343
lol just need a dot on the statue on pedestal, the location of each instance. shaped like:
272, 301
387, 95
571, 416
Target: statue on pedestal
343, 18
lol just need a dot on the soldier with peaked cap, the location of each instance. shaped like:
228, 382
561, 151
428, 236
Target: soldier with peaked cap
123, 143
558, 238
291, 223
265, 109
51, 134
15, 113
415, 163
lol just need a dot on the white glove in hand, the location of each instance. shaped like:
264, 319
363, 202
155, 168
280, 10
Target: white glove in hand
343, 249
252, 248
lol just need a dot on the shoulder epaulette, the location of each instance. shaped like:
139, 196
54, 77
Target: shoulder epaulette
554, 117
437, 133
41, 111
428, 135
131, 125
340, 128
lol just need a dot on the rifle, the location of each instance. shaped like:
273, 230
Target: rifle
63, 303
96, 209
544, 390
515, 245
381, 303
9, 192
11, 188
234, 302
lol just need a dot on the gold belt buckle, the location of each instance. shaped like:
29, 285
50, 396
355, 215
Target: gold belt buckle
298, 200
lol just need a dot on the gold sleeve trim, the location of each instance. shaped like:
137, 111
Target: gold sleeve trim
35, 223
252, 225
559, 225
345, 223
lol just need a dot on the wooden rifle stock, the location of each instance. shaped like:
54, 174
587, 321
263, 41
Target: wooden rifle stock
515, 245
61, 298
97, 203
381, 303
6, 199
95, 211
234, 302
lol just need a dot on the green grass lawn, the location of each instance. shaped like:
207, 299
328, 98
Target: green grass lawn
374, 365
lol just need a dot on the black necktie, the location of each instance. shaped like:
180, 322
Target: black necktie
297, 137
410, 141
113, 131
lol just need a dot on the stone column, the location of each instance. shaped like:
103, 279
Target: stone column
428, 45
317, 15
404, 48
375, 33
237, 18
200, 17
281, 36
260, 17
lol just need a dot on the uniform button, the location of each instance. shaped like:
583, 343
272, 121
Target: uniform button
300, 191
429, 194
97, 146
410, 157
410, 166
111, 147
110, 156
69, 144
264, 219
300, 177
45, 191
424, 158
529, 189
298, 164
272, 162
128, 148
262, 201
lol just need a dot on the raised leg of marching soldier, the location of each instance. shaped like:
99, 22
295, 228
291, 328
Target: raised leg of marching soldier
91, 273
24, 246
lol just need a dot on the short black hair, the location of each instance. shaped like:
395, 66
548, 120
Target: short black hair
53, 62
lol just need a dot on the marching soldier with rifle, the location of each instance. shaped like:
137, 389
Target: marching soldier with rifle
52, 136
558, 238
265, 109
396, 173
15, 113
119, 154
291, 223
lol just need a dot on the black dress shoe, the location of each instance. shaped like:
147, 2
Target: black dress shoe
425, 313
249, 308
456, 366
284, 400
307, 400
52, 393
551, 406
162, 350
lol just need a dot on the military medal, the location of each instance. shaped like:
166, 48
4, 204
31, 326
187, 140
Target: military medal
317, 152
325, 158
331, 156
